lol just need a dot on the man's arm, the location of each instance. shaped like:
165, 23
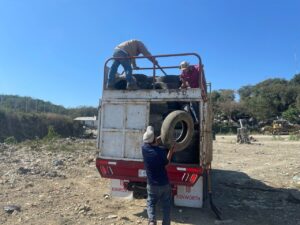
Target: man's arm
143, 50
184, 83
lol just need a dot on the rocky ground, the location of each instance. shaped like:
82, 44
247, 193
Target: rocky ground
57, 183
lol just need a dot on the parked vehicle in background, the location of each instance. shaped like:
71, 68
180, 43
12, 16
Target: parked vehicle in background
281, 127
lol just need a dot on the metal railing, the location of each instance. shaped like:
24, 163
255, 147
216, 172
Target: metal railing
202, 81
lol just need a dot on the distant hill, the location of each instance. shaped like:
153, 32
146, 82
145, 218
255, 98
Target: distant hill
27, 118
15, 103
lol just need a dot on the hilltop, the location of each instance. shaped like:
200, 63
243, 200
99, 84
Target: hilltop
27, 118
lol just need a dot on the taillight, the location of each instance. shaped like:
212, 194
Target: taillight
189, 175
193, 178
106, 170
103, 170
105, 167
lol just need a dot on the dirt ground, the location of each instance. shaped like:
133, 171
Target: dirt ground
57, 183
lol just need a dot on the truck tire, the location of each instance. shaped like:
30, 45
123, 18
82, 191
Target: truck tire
150, 79
160, 85
120, 83
170, 127
172, 81
191, 154
169, 79
140, 78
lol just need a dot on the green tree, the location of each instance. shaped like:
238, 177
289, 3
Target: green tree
292, 115
295, 80
260, 108
269, 98
297, 104
245, 92
52, 134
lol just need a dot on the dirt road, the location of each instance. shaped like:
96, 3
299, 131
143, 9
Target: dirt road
57, 183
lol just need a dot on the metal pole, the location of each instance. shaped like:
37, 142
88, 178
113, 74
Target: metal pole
162, 70
154, 75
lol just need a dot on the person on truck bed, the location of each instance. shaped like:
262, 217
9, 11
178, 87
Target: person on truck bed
190, 75
127, 49
158, 186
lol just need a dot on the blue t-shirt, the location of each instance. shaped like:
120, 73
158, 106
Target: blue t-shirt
155, 160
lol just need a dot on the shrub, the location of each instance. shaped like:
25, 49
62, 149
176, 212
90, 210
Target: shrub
295, 137
28, 126
52, 134
10, 140
277, 138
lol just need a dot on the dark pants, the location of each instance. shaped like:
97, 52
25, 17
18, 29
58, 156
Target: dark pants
126, 63
162, 194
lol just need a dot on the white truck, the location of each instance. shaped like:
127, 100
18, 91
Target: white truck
181, 115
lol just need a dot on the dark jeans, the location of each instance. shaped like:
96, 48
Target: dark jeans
126, 63
162, 194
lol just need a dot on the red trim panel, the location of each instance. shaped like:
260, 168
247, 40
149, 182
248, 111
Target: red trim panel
134, 171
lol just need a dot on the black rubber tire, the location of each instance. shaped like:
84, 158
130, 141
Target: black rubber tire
160, 85
150, 80
143, 85
120, 83
168, 129
140, 77
191, 154
174, 85
169, 79
172, 81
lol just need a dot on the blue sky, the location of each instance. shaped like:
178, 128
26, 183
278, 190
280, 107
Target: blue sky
55, 49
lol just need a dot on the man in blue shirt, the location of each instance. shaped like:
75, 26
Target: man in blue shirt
158, 187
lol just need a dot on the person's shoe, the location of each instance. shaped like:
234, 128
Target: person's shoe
152, 223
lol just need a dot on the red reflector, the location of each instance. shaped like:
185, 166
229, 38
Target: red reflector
193, 178
103, 170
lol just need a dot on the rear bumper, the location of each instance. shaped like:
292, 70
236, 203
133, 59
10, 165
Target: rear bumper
133, 171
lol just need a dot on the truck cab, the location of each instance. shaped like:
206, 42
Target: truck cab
124, 116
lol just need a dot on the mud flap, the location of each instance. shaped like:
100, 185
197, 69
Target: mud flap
213, 207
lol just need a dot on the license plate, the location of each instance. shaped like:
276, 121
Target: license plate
142, 173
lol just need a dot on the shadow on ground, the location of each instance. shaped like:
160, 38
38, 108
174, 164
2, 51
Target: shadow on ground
243, 201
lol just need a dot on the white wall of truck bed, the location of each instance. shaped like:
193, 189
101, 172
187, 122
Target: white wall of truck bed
122, 128
191, 94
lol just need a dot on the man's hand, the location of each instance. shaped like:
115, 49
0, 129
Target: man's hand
171, 152
154, 61
158, 140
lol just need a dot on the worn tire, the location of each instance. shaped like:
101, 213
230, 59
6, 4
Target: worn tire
150, 79
169, 79
168, 130
140, 77
191, 154
172, 81
120, 83
160, 85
